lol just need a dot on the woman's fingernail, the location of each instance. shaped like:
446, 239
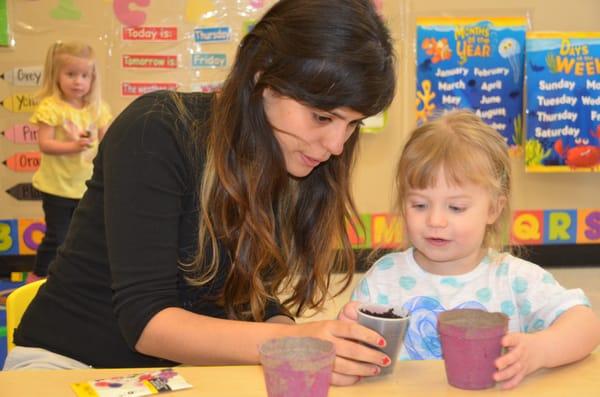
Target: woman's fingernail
381, 342
376, 370
385, 361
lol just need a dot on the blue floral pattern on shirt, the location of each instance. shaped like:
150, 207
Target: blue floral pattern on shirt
422, 341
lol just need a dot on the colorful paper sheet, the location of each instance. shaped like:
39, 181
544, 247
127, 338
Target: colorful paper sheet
145, 384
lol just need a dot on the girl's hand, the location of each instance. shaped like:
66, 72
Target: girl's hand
353, 359
73, 132
82, 144
525, 355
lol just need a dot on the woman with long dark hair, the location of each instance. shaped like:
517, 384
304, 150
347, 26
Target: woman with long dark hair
212, 220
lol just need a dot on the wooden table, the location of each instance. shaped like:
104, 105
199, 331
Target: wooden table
410, 379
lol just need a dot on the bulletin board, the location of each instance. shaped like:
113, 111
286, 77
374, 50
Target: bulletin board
140, 46
188, 45
556, 214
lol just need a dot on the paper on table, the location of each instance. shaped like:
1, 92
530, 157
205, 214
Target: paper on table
135, 385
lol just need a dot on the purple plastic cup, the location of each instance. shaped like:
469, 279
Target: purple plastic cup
297, 367
471, 342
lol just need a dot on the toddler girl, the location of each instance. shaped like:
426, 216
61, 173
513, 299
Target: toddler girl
72, 119
453, 182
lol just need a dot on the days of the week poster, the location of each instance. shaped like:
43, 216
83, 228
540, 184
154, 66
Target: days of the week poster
563, 102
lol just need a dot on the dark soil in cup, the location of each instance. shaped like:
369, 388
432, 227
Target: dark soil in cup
386, 314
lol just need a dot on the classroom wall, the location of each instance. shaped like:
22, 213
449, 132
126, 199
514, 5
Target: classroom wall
375, 167
38, 23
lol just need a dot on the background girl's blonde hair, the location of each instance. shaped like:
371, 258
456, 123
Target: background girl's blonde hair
55, 60
467, 150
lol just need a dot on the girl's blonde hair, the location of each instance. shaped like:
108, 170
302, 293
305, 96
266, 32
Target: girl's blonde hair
55, 60
468, 151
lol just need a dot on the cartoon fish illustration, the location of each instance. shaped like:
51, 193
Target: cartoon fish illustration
536, 68
514, 94
438, 49
425, 66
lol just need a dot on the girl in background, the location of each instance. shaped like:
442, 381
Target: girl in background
72, 119
453, 183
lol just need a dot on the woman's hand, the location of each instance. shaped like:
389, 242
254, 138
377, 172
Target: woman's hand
350, 311
280, 319
353, 359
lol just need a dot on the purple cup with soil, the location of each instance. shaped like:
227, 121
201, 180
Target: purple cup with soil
297, 367
471, 342
390, 322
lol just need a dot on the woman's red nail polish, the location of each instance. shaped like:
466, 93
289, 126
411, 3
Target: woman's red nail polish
386, 361
381, 342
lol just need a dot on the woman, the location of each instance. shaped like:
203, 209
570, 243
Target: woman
203, 210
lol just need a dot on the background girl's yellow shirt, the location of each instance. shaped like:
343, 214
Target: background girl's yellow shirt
64, 175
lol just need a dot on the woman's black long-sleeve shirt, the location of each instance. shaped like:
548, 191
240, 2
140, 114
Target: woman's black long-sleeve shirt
138, 220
